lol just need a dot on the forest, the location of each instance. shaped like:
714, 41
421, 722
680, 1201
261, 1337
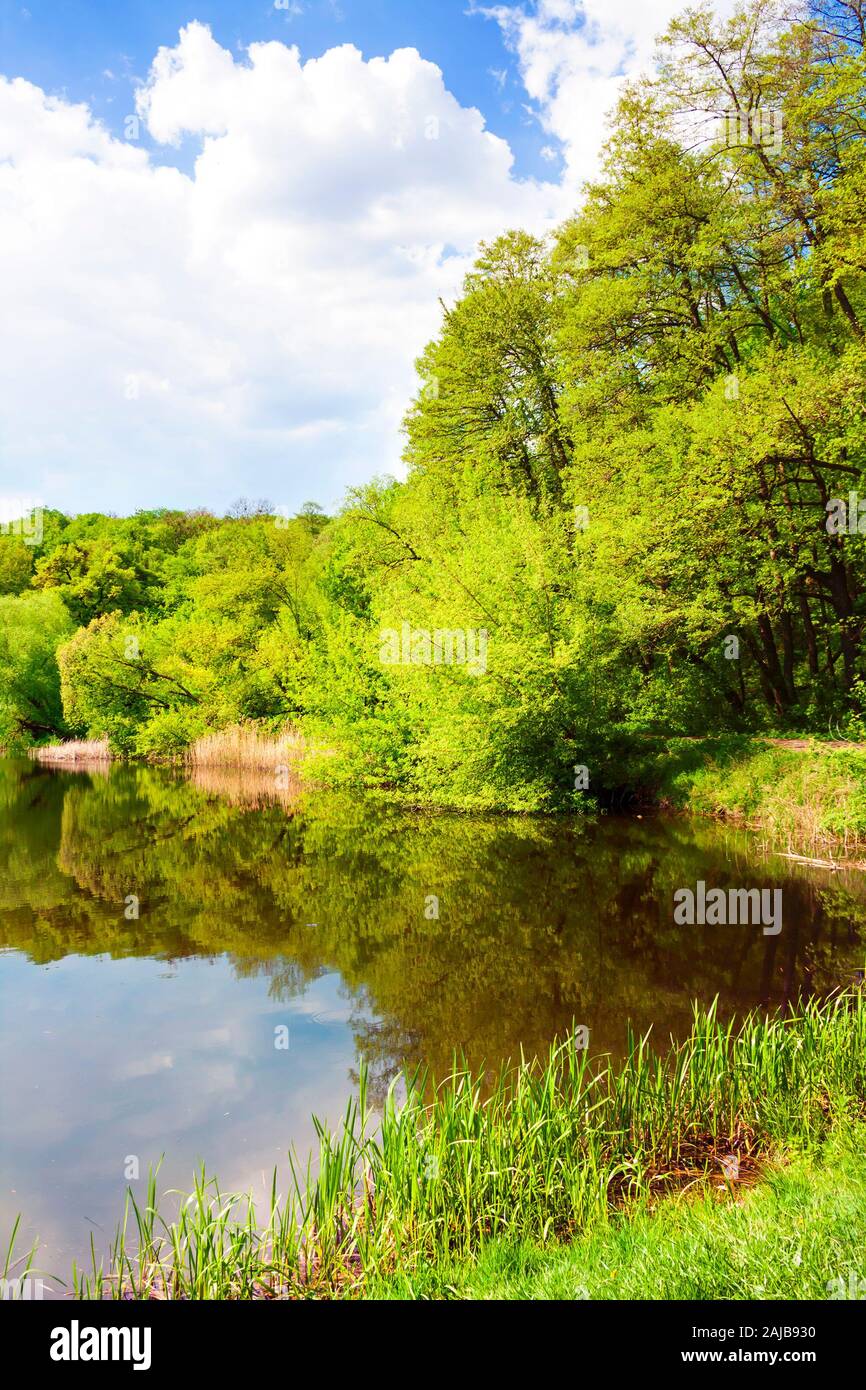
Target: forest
634, 464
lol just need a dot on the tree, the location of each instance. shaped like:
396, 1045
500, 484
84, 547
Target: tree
16, 565
31, 625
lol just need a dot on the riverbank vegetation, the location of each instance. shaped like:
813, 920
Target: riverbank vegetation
565, 1159
808, 797
246, 748
74, 752
633, 468
795, 1235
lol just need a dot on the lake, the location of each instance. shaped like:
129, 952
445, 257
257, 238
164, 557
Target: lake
194, 968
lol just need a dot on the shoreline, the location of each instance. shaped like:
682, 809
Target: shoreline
808, 796
573, 1157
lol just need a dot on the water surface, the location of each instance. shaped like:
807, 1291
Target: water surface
261, 917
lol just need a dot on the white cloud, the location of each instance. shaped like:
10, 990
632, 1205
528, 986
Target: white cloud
247, 323
249, 326
574, 56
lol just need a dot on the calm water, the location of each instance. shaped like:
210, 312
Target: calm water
155, 1035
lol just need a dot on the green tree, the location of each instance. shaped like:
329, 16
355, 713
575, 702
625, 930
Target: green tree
31, 626
16, 565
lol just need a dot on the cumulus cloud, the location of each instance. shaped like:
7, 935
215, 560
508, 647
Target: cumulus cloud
574, 56
249, 325
240, 314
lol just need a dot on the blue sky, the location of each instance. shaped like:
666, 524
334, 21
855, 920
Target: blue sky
226, 228
93, 52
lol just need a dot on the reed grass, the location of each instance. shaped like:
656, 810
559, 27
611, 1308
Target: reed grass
73, 751
17, 1272
795, 1235
245, 746
541, 1152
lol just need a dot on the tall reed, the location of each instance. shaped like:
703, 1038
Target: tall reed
73, 751
245, 746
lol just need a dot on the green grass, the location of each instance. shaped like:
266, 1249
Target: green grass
812, 798
800, 1234
537, 1156
16, 1271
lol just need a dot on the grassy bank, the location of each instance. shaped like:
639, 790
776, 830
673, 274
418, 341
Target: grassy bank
808, 797
798, 1234
538, 1157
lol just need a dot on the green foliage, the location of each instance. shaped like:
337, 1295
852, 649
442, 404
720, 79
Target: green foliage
620, 462
623, 450
795, 1236
810, 797
120, 674
31, 625
16, 565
